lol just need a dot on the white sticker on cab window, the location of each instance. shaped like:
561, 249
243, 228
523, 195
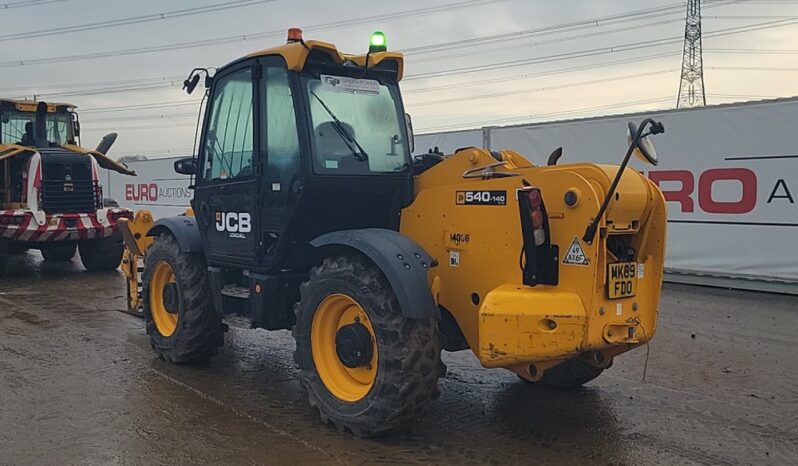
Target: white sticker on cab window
350, 85
331, 164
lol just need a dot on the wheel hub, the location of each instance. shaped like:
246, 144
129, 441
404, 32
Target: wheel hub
170, 300
354, 346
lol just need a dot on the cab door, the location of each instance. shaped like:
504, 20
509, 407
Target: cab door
227, 196
282, 179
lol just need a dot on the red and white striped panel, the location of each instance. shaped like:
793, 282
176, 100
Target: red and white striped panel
58, 227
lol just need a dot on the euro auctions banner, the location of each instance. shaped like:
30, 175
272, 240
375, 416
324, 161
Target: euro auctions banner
156, 188
729, 173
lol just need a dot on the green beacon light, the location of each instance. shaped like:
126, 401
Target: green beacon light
378, 43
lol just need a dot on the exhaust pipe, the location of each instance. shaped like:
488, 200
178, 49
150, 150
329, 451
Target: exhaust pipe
40, 131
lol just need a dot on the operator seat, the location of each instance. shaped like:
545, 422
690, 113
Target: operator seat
331, 147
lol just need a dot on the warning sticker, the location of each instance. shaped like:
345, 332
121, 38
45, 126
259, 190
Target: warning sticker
575, 254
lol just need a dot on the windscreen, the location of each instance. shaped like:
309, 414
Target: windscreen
358, 126
20, 128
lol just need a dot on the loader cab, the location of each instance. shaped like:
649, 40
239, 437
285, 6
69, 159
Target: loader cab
25, 124
299, 141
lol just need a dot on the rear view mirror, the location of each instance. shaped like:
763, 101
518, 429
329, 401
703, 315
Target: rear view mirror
645, 148
186, 166
190, 84
411, 139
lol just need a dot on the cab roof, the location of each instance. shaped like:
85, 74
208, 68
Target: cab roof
30, 105
296, 54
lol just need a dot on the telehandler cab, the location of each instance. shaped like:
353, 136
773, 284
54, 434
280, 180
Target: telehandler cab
310, 214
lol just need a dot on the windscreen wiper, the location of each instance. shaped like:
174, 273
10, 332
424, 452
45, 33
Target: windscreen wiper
359, 153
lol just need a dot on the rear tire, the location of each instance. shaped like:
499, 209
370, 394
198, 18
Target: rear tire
3, 255
570, 374
407, 352
58, 252
102, 254
196, 331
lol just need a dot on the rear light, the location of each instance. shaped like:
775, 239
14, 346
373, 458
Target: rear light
537, 218
535, 201
534, 198
540, 237
539, 258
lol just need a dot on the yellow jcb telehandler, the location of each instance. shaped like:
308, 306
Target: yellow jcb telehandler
310, 214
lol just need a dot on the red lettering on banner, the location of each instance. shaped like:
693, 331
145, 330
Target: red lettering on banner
682, 196
747, 202
141, 192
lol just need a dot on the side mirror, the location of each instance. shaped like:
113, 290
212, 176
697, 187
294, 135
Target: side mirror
190, 84
105, 145
410, 137
645, 148
186, 166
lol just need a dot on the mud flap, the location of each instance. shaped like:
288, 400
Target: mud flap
404, 263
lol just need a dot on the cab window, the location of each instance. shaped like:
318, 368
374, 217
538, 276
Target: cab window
229, 141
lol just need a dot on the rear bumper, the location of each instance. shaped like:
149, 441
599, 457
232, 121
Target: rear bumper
523, 325
28, 226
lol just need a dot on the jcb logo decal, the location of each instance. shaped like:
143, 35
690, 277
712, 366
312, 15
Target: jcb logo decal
234, 223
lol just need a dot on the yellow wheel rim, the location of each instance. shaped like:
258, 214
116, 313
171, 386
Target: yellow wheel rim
347, 384
165, 321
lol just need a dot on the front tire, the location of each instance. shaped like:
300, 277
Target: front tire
102, 254
58, 252
181, 320
395, 378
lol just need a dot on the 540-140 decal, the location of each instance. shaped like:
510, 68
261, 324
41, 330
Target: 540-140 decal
481, 198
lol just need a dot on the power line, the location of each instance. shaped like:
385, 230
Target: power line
499, 65
589, 67
475, 124
751, 68
158, 79
248, 37
541, 89
590, 23
137, 128
125, 108
598, 51
27, 3
167, 116
755, 51
216, 7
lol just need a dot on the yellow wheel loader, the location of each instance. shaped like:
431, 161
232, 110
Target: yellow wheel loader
310, 214
51, 193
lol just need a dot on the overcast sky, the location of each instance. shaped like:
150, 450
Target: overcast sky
759, 63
